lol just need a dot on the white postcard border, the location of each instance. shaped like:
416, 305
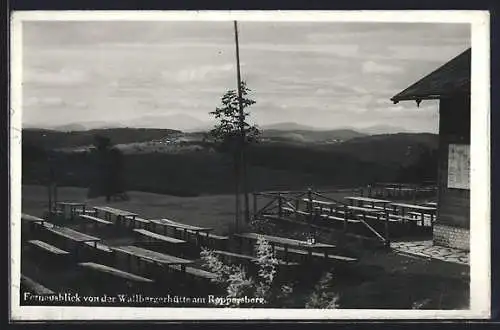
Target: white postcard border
480, 169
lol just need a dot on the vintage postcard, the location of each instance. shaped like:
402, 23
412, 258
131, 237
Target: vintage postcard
250, 165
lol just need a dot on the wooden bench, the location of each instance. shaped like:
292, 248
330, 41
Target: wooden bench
185, 231
331, 217
209, 237
150, 256
403, 218
319, 255
96, 220
365, 210
30, 225
234, 255
249, 258
33, 286
315, 201
159, 237
70, 234
196, 280
218, 237
100, 247
87, 212
114, 272
419, 215
98, 252
140, 222
48, 247
290, 210
325, 215
136, 223
324, 209
30, 218
200, 273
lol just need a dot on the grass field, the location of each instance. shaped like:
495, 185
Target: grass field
215, 211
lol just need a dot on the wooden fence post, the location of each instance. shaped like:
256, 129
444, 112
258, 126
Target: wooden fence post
254, 205
296, 211
387, 239
345, 217
309, 205
280, 206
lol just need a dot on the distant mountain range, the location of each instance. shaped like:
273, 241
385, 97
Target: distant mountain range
187, 123
181, 122
369, 130
310, 136
289, 126
383, 129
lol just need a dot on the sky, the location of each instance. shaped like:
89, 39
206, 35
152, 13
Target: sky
172, 74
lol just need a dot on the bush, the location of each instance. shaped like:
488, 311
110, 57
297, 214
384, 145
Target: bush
237, 283
322, 295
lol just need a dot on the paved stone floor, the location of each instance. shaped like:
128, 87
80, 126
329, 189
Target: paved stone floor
425, 249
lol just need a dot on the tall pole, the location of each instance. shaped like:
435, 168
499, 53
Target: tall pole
50, 184
49, 189
242, 127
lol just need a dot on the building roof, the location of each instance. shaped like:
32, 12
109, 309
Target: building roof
450, 79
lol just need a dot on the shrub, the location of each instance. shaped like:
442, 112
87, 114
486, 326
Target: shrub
322, 295
237, 284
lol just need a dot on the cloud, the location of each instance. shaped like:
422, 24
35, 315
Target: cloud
201, 73
43, 101
374, 67
343, 50
319, 74
428, 53
63, 76
53, 102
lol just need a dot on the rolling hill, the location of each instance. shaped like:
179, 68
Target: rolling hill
51, 139
310, 136
198, 169
400, 148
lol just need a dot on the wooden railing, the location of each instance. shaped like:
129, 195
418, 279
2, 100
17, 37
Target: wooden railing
280, 204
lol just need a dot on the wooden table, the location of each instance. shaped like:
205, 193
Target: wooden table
372, 201
35, 287
184, 227
153, 256
48, 247
159, 237
32, 223
31, 219
366, 210
322, 204
95, 221
99, 268
72, 207
139, 222
73, 235
315, 201
402, 191
423, 210
119, 214
288, 242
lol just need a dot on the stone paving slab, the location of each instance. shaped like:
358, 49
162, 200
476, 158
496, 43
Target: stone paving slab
426, 249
